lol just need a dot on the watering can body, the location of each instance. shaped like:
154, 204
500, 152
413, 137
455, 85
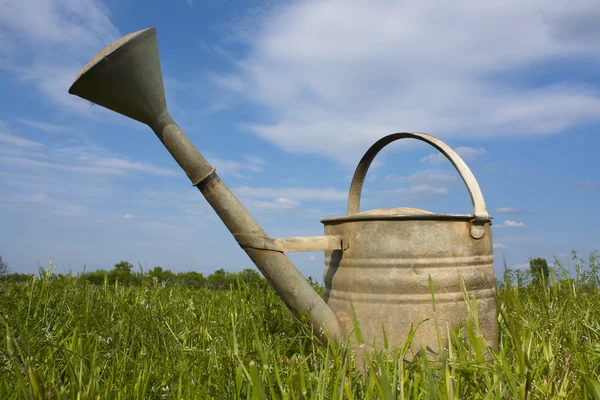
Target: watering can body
386, 270
404, 268
400, 272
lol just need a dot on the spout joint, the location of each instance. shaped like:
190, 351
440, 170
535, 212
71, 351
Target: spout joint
292, 244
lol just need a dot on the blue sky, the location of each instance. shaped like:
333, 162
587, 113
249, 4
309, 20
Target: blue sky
283, 98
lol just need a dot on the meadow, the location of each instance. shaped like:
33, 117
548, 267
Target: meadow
71, 337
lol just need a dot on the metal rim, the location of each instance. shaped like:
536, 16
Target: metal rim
400, 217
108, 50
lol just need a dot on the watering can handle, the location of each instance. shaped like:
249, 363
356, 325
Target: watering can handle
480, 211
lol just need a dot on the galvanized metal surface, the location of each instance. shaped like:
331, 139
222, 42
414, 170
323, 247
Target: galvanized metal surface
387, 280
393, 254
293, 244
379, 260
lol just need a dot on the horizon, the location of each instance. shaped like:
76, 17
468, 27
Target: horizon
284, 98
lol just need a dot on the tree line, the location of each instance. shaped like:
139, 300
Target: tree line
540, 273
123, 273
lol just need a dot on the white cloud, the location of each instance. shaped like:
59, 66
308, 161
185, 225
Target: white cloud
46, 126
510, 210
500, 246
510, 224
47, 42
279, 204
431, 177
514, 224
127, 216
521, 266
19, 141
123, 165
234, 168
274, 199
418, 192
506, 210
77, 158
465, 152
102, 166
346, 73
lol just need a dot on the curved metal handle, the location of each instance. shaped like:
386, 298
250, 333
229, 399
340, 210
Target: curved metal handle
479, 208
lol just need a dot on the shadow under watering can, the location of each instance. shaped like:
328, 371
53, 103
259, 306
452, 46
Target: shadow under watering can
379, 264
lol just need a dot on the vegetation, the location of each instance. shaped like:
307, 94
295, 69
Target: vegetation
123, 274
3, 267
160, 335
539, 271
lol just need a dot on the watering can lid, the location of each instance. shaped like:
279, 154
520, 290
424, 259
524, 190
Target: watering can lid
400, 213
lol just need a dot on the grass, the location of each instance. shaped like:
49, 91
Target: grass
64, 338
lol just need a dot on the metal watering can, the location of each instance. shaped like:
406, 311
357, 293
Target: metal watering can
380, 265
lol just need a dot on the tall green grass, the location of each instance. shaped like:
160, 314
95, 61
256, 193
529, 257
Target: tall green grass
63, 338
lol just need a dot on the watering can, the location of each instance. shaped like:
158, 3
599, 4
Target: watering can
386, 270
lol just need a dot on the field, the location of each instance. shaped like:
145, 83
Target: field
65, 338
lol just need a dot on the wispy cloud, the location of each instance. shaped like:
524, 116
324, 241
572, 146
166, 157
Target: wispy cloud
103, 166
418, 192
84, 156
280, 199
46, 126
121, 166
46, 42
425, 177
235, 168
17, 141
510, 224
500, 246
302, 56
466, 153
510, 211
67, 177
279, 204
514, 224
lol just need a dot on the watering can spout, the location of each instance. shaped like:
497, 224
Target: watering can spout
126, 78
